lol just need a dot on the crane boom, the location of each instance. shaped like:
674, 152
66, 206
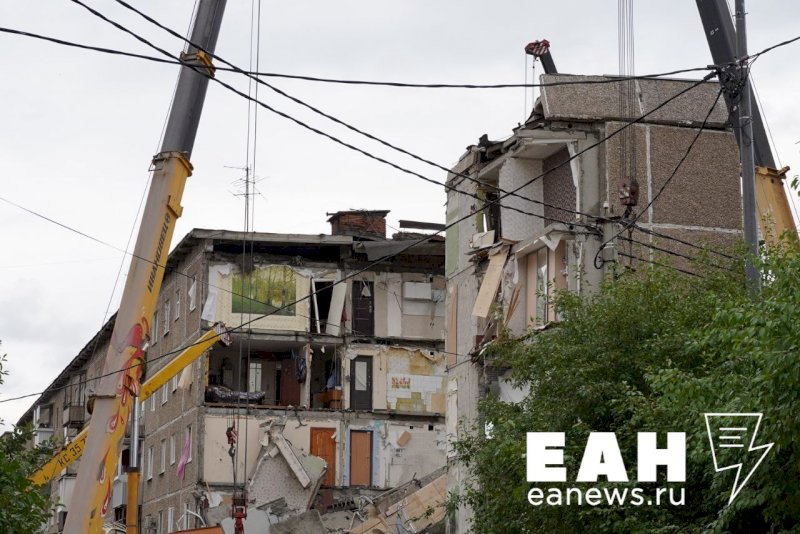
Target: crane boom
117, 390
772, 204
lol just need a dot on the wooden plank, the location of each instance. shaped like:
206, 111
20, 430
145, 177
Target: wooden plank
490, 284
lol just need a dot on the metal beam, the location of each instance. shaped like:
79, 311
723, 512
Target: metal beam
721, 37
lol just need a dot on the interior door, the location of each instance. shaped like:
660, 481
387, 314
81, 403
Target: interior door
324, 446
361, 383
363, 309
360, 458
290, 387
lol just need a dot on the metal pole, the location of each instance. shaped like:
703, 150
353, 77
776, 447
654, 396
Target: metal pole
747, 157
134, 474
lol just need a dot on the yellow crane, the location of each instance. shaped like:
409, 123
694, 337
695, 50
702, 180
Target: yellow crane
119, 388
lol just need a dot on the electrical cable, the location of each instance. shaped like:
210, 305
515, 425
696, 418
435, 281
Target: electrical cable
676, 254
333, 138
300, 77
631, 256
682, 241
342, 123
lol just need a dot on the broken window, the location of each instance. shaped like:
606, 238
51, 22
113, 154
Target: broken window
363, 309
492, 215
254, 376
193, 294
546, 273
166, 317
322, 293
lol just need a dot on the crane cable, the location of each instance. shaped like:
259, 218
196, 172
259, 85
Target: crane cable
629, 186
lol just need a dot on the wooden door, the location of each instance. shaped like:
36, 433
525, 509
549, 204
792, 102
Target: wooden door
360, 458
363, 310
361, 383
324, 446
290, 387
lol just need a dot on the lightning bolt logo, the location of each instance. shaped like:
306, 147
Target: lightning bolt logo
727, 434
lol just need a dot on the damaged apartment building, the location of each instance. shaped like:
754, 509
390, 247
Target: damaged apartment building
573, 194
329, 388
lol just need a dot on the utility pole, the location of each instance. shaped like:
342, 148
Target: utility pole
747, 156
120, 381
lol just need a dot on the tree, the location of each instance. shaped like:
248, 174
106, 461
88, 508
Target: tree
650, 352
23, 506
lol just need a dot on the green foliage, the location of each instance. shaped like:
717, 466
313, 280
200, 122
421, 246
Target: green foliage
651, 352
23, 506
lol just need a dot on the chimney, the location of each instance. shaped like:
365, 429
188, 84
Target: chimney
359, 223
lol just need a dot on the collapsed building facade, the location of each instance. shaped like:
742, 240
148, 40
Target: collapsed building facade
562, 227
330, 385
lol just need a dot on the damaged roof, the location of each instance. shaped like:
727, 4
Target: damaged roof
600, 101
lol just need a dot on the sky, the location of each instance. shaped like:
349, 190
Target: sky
78, 129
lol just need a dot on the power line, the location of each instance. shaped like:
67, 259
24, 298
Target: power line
631, 256
334, 138
347, 125
682, 241
154, 59
675, 253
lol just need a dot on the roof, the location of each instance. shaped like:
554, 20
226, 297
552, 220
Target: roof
600, 101
376, 213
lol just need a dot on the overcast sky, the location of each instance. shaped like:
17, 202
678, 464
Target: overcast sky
78, 129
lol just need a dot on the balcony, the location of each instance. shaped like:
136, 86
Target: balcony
119, 491
74, 416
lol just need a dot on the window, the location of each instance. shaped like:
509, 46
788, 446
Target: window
166, 317
160, 525
185, 516
193, 294
163, 456
177, 304
170, 518
149, 463
542, 285
164, 394
254, 378
172, 449
154, 329
152, 403
75, 393
174, 382
189, 439
142, 408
